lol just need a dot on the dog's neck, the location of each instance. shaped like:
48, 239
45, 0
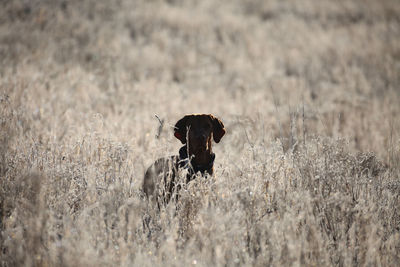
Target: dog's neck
200, 162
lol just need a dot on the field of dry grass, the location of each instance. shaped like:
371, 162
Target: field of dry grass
307, 174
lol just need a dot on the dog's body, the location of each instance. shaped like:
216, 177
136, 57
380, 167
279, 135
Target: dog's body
196, 133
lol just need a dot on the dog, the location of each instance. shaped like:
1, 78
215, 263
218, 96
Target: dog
196, 132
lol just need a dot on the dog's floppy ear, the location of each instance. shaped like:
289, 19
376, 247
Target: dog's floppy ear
218, 128
180, 129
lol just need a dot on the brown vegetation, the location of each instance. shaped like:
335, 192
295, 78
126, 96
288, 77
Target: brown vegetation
308, 172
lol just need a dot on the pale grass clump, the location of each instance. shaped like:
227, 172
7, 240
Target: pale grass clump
81, 205
307, 174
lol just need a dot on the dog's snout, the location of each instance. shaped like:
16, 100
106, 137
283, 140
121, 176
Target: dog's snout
201, 136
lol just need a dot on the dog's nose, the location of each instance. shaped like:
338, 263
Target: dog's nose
201, 137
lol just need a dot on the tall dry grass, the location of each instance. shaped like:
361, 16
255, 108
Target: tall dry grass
307, 174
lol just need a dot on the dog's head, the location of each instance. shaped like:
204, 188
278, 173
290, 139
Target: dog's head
198, 129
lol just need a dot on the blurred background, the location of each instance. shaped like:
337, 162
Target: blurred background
330, 66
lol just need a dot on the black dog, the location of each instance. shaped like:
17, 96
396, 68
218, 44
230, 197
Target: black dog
195, 132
